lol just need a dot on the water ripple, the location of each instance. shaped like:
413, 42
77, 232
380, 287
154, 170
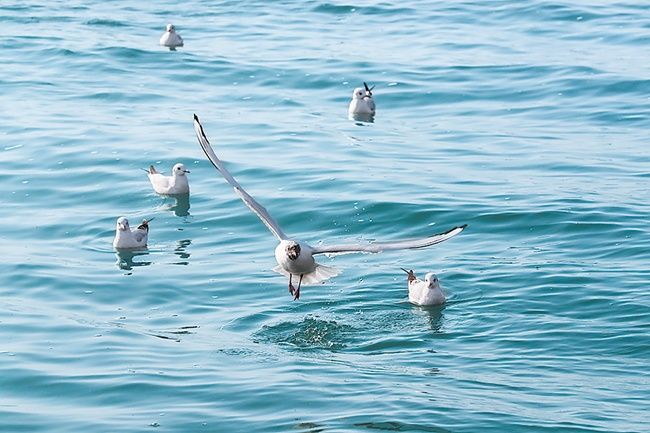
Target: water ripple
528, 121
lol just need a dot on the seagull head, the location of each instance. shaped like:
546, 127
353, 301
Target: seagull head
432, 281
359, 93
122, 224
179, 170
171, 28
293, 250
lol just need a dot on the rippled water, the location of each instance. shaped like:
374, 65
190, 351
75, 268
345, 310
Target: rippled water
526, 120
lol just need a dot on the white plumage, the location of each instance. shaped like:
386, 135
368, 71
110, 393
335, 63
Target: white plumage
296, 258
304, 264
175, 184
170, 38
427, 292
125, 238
362, 102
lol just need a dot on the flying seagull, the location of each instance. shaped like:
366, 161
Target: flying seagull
296, 258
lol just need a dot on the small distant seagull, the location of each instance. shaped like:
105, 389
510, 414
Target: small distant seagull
296, 258
125, 238
427, 292
362, 102
170, 38
175, 184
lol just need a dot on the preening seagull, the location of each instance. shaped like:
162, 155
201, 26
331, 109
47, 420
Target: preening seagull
170, 38
296, 258
177, 183
125, 238
362, 102
427, 292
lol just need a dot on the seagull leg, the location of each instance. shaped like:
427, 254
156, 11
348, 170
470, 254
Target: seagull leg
297, 294
292, 289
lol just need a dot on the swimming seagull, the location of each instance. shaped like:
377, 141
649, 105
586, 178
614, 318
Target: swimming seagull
125, 238
427, 292
170, 38
175, 184
362, 102
296, 258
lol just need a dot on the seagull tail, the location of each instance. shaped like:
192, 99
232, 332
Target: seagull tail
410, 275
318, 275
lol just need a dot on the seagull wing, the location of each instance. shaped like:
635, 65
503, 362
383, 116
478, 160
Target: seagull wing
159, 181
385, 246
249, 201
139, 234
371, 104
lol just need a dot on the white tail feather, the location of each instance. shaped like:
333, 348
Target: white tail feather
318, 275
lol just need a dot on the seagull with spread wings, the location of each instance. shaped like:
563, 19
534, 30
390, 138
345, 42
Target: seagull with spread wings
296, 258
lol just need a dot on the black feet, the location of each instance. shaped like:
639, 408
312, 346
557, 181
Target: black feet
295, 292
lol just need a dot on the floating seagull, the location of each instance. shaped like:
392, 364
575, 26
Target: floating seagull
427, 292
296, 258
170, 38
125, 238
362, 102
177, 183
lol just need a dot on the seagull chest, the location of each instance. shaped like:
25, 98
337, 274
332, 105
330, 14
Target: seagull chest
361, 106
303, 264
420, 294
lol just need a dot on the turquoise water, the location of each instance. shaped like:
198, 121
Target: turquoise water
526, 120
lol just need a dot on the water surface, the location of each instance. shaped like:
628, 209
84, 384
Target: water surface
526, 120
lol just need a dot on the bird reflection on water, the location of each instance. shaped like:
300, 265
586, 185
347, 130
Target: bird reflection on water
179, 204
435, 317
181, 251
125, 259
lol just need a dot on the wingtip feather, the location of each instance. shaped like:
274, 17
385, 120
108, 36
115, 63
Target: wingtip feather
457, 228
200, 133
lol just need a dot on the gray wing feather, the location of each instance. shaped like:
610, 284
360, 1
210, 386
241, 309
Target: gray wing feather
249, 201
386, 246
139, 235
